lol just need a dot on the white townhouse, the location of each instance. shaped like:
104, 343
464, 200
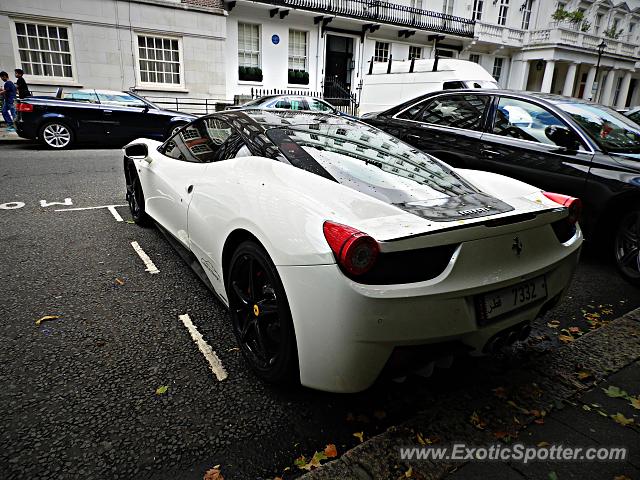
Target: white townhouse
167, 48
553, 46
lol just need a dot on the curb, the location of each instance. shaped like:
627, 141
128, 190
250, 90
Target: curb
553, 375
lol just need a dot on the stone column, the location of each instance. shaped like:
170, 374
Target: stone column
624, 90
569, 80
548, 76
588, 86
525, 75
607, 89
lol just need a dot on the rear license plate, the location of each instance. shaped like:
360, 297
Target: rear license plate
494, 304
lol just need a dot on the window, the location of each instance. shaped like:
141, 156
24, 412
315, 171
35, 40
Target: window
502, 13
416, 4
477, 9
316, 105
598, 24
442, 52
202, 141
447, 7
44, 50
459, 111
249, 45
297, 50
415, 52
159, 60
474, 57
497, 68
120, 99
381, 52
82, 96
526, 14
632, 30
526, 121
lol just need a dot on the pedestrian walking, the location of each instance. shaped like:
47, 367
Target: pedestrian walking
21, 84
8, 92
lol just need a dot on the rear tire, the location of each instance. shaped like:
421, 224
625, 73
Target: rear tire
56, 135
135, 198
626, 245
261, 316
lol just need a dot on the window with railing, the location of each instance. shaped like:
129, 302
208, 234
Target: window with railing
44, 49
415, 52
526, 14
477, 9
502, 13
381, 52
447, 7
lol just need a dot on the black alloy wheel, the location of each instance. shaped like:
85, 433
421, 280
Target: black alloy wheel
260, 315
135, 198
627, 246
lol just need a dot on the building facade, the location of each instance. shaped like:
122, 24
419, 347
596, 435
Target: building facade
157, 47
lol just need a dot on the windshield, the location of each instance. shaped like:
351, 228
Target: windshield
609, 129
370, 161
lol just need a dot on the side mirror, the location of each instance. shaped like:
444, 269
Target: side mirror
146, 108
562, 137
137, 151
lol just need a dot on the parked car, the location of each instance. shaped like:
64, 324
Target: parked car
291, 102
557, 143
94, 115
383, 88
634, 114
341, 250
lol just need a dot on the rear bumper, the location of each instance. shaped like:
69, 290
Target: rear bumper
26, 129
346, 332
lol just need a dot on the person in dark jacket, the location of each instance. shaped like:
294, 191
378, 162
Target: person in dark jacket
21, 84
8, 92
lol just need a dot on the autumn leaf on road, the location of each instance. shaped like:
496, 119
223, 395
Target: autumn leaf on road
409, 473
302, 464
622, 420
331, 451
615, 392
213, 474
566, 338
359, 436
45, 318
162, 390
635, 402
477, 422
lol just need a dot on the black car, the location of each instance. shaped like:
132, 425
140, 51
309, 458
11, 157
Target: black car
94, 115
557, 143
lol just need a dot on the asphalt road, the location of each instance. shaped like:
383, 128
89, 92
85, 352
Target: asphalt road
78, 396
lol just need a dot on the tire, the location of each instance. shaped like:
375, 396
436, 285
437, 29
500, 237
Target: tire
261, 316
626, 245
56, 135
173, 129
135, 198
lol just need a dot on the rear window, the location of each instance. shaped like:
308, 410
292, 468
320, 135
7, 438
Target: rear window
368, 160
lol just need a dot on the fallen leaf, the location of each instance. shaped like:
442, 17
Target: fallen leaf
566, 338
553, 476
543, 445
409, 473
45, 318
621, 477
539, 421
635, 402
586, 407
500, 435
300, 462
162, 390
477, 422
331, 451
500, 392
615, 392
420, 439
130, 221
213, 474
119, 281
575, 330
622, 420
553, 324
359, 436
584, 374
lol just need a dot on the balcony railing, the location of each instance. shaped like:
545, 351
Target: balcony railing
385, 12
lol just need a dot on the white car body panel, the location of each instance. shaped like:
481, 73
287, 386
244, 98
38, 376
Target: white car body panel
347, 331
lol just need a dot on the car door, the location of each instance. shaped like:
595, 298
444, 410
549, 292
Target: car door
83, 108
447, 126
127, 117
172, 178
528, 141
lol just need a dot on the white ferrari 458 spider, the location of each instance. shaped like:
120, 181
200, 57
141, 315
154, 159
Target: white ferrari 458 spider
342, 252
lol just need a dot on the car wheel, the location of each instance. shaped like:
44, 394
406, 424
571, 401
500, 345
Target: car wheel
56, 135
627, 246
135, 198
260, 315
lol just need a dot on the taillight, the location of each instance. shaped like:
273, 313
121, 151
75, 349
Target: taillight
24, 107
572, 203
355, 251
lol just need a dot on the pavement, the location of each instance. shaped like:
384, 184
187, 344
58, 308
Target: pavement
6, 137
115, 387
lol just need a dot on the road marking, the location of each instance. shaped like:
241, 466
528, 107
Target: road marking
214, 362
12, 205
151, 268
87, 208
67, 202
115, 213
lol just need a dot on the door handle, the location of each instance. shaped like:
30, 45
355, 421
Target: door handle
490, 153
189, 189
108, 112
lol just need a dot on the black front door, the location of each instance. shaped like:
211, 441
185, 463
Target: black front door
338, 60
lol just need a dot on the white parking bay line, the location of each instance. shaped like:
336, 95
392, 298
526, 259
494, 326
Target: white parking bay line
151, 268
214, 362
114, 212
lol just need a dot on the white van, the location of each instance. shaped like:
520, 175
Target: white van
382, 90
